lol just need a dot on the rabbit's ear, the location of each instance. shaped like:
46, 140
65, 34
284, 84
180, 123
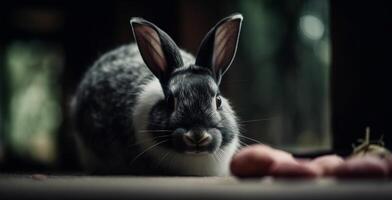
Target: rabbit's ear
219, 46
158, 50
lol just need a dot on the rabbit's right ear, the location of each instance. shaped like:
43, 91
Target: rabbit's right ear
158, 50
219, 46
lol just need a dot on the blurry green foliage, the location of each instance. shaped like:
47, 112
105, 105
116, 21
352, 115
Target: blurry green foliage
34, 110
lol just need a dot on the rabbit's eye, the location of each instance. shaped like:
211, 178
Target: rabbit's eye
218, 102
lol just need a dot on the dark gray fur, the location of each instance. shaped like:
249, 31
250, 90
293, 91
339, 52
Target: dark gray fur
103, 107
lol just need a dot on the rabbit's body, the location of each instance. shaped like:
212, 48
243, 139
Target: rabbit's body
122, 115
104, 109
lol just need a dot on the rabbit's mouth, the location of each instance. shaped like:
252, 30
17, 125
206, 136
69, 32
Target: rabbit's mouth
195, 141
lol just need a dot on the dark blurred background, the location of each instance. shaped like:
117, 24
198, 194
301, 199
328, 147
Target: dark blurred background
292, 84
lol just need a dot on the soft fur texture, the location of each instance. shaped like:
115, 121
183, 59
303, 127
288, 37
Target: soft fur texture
179, 163
131, 117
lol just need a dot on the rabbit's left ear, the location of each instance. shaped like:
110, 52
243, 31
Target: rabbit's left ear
219, 46
158, 50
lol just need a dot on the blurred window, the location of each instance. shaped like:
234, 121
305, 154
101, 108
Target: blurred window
282, 88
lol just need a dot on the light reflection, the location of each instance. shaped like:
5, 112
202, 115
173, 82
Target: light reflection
312, 27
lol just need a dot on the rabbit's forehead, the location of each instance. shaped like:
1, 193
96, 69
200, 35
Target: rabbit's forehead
193, 83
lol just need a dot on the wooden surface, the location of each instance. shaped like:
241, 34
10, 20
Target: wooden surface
127, 187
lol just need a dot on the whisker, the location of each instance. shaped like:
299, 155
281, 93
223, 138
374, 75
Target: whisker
149, 139
161, 136
156, 137
170, 162
147, 149
251, 139
163, 158
256, 120
243, 144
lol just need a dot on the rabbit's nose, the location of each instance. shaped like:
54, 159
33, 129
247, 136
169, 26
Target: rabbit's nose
192, 139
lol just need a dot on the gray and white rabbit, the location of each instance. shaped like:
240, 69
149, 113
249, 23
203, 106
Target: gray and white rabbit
151, 108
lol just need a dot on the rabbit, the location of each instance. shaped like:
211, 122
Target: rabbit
150, 108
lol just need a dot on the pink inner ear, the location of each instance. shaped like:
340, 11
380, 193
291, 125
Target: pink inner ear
224, 45
150, 47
